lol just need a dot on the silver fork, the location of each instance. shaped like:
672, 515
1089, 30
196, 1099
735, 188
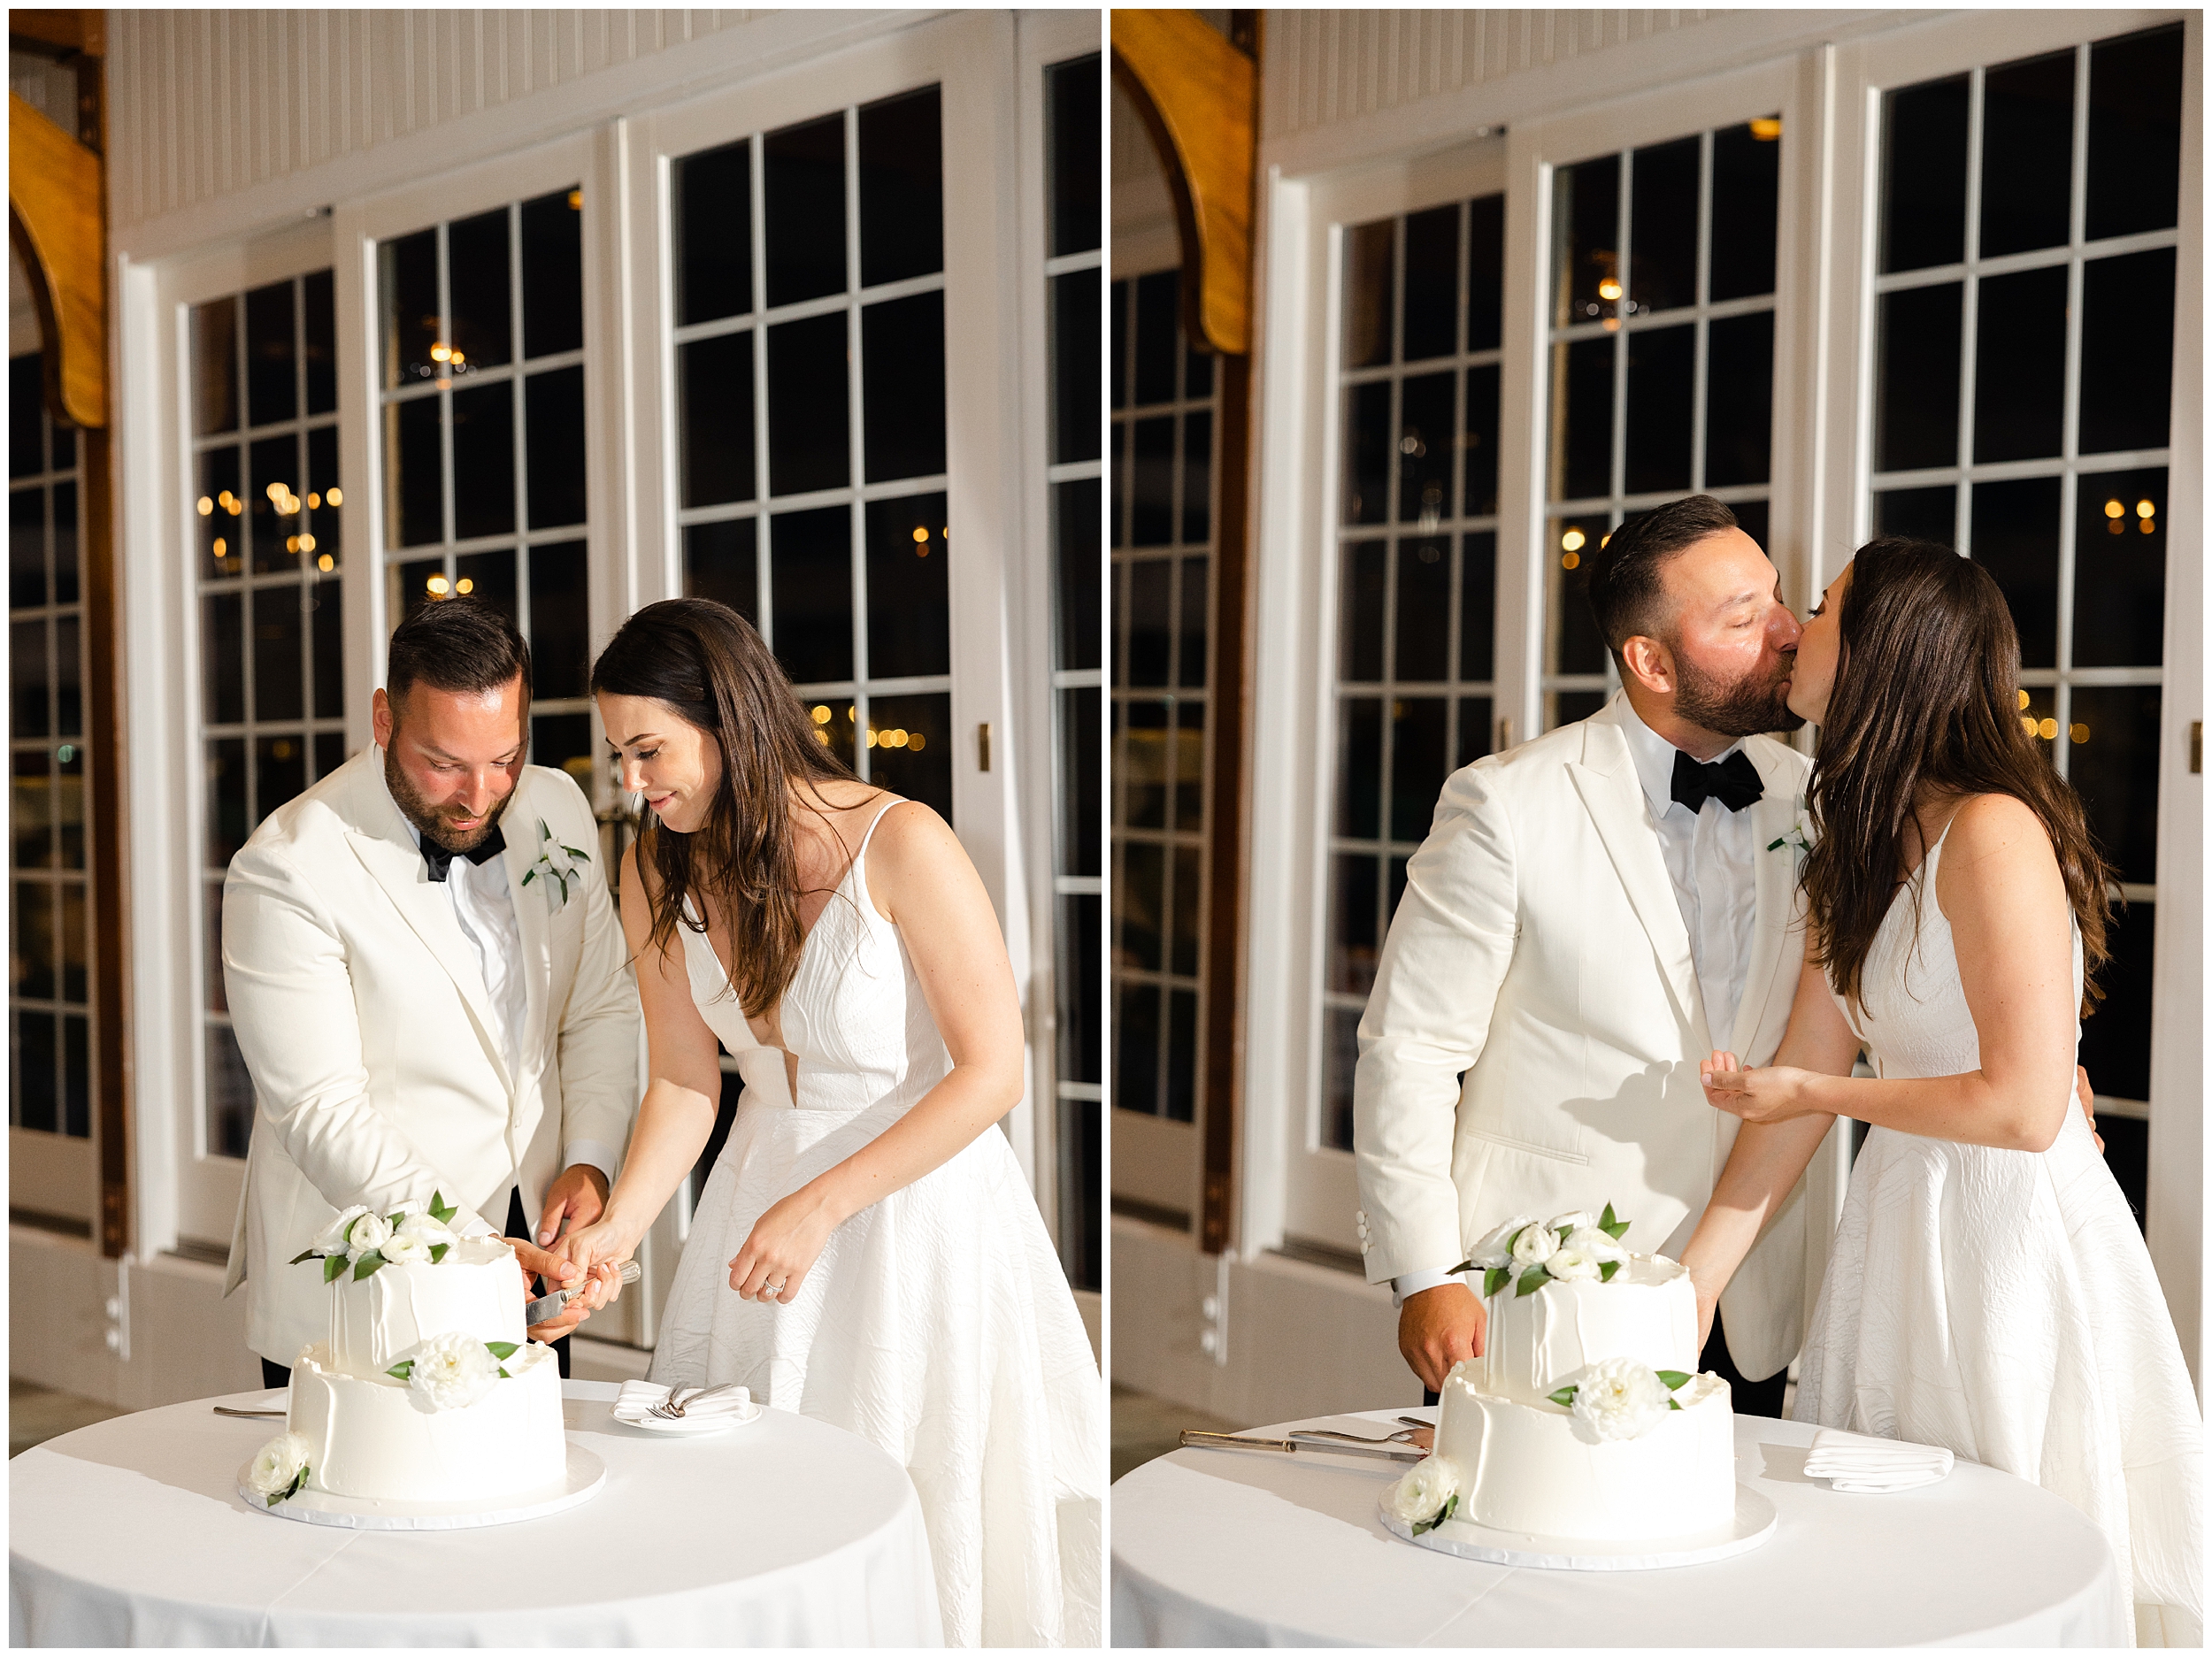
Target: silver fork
673, 1407
1403, 1436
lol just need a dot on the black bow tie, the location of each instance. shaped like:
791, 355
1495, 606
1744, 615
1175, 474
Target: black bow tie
440, 859
1734, 781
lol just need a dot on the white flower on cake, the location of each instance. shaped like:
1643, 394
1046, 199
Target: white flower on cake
1427, 1495
1621, 1398
280, 1468
1564, 1223
427, 1227
1596, 1243
1495, 1248
453, 1370
367, 1236
405, 1248
1570, 1264
406, 1210
332, 1239
1534, 1246
365, 1239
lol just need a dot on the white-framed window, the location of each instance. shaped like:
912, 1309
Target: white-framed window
1163, 407
50, 1048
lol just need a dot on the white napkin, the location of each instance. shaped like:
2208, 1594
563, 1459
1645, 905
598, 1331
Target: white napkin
637, 1397
1854, 1461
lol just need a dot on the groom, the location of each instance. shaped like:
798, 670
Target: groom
1592, 914
426, 1000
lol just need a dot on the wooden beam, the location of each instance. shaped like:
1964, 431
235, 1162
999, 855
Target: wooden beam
56, 221
1199, 96
58, 33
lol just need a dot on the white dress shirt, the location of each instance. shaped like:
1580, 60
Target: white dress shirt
484, 904
1712, 863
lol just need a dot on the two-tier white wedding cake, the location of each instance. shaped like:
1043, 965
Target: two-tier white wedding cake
1584, 1418
426, 1395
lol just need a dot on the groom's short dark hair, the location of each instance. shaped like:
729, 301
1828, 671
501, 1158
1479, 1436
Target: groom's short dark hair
1624, 591
463, 646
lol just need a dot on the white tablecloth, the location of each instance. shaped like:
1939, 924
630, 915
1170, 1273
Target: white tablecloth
782, 1532
1227, 1548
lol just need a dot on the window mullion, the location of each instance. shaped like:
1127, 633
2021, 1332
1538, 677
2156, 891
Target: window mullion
756, 162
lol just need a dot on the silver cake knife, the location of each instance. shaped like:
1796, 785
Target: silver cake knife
1193, 1439
549, 1305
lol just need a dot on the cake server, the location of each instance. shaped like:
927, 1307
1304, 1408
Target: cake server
550, 1305
1193, 1439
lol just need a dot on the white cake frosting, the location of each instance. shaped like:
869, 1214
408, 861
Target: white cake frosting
1530, 1466
372, 1436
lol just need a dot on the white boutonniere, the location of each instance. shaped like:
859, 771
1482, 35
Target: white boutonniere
1799, 840
557, 863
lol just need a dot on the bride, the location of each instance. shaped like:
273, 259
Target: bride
1988, 1291
865, 1251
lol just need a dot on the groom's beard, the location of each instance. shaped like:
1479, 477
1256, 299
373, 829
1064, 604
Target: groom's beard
1749, 706
430, 822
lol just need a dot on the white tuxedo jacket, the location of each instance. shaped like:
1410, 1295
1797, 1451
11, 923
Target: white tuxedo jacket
1531, 1044
366, 1027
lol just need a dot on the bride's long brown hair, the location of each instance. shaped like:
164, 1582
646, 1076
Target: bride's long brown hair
705, 663
1926, 696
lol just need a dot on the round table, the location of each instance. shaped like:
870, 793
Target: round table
1236, 1547
784, 1532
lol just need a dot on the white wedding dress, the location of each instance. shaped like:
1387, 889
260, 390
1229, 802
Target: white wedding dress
2002, 1303
937, 1323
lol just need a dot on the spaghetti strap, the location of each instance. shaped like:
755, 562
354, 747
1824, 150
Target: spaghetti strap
857, 871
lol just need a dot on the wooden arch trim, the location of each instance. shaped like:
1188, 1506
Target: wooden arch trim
1198, 95
54, 219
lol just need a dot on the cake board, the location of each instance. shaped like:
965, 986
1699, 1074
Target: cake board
1753, 1524
587, 1474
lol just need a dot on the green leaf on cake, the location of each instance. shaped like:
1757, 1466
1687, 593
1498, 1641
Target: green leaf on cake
1674, 1403
305, 1254
403, 1369
1613, 1227
366, 1264
503, 1349
437, 1252
1673, 1378
441, 1210
1564, 1397
334, 1267
1607, 1269
1534, 1278
1494, 1279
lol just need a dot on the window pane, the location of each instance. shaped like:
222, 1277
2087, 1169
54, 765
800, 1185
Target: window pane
1481, 442
1427, 439
1118, 352
2134, 131
279, 771
2127, 351
901, 189
912, 751
1151, 636
411, 584
327, 625
809, 447
1662, 367
76, 943
562, 741
1916, 420
804, 169
64, 543
1074, 365
560, 646
553, 406
811, 585
37, 940
214, 383
1474, 730
715, 381
902, 388
1923, 175
1929, 514
27, 548
2027, 154
720, 564
1477, 603
77, 1075
1577, 645
1486, 271
221, 542
226, 825
408, 278
1424, 611
1191, 664
229, 1095
909, 615
713, 204
325, 517
222, 658
330, 752
1159, 336
1586, 218
1136, 1042
68, 680
2116, 1040
1359, 768
1152, 482
31, 809
2016, 539
30, 713
39, 1106
1417, 764
320, 325
1078, 985
1198, 454
1584, 419
2120, 572
272, 357
273, 479
477, 277
1361, 608
1078, 848
1072, 134
277, 690
489, 577
1738, 400
1190, 766
484, 461
1747, 169
2112, 760
1183, 949
1367, 452
1663, 225
416, 504
1340, 1058
1142, 774
1075, 531
2020, 365
1354, 940
1370, 305
1431, 299
553, 273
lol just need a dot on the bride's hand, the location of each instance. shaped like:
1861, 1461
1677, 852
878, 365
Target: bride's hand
598, 1251
1775, 1093
782, 1247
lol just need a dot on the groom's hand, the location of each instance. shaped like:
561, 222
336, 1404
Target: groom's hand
1439, 1328
572, 1201
558, 1274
